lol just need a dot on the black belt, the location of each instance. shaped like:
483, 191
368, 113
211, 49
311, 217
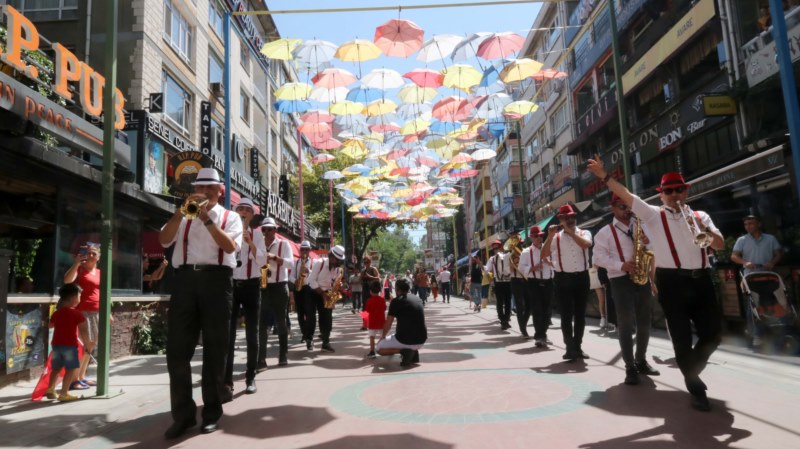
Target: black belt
198, 267
683, 272
251, 281
276, 283
566, 273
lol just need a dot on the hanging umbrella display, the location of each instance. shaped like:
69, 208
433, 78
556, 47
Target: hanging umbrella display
322, 158
398, 37
324, 95
346, 108
411, 93
333, 77
520, 69
332, 174
315, 53
316, 128
280, 48
316, 116
451, 109
492, 106
548, 74
425, 77
467, 48
483, 154
326, 143
438, 47
363, 94
380, 107
290, 106
461, 76
500, 45
293, 91
414, 126
357, 50
382, 79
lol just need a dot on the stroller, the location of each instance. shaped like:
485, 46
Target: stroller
771, 318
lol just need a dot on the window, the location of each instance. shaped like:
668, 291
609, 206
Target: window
214, 68
217, 135
178, 101
274, 146
245, 56
559, 119
48, 9
244, 106
215, 19
177, 31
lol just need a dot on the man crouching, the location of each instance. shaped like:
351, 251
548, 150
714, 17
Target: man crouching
411, 332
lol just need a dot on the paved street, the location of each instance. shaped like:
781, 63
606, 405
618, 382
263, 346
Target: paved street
477, 387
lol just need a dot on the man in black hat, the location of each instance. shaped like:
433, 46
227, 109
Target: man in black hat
204, 258
679, 237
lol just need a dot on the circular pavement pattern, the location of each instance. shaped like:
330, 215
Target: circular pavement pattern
464, 397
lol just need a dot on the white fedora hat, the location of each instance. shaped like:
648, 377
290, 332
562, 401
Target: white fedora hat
206, 177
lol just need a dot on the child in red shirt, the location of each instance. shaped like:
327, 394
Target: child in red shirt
67, 322
376, 310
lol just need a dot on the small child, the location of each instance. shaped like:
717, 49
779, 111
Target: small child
376, 308
67, 322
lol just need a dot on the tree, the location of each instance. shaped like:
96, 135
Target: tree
398, 252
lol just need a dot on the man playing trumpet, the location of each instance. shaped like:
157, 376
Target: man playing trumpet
683, 281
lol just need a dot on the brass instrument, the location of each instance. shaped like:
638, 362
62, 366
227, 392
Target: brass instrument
642, 257
266, 272
301, 278
191, 209
701, 239
335, 293
514, 246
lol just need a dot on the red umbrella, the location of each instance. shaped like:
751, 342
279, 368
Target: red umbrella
328, 143
451, 109
500, 45
332, 78
400, 171
384, 127
398, 37
312, 128
548, 74
425, 77
316, 116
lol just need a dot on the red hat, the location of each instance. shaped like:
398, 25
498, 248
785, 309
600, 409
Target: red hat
672, 179
536, 231
614, 199
497, 243
566, 211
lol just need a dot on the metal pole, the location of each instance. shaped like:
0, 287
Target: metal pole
485, 217
787, 83
344, 236
300, 184
522, 180
107, 194
623, 124
455, 255
330, 194
226, 82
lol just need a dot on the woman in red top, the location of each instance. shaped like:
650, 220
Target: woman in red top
85, 272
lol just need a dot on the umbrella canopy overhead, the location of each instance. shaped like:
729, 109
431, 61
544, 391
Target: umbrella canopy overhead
281, 48
500, 45
399, 38
438, 47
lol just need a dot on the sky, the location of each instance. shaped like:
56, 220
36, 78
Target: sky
342, 27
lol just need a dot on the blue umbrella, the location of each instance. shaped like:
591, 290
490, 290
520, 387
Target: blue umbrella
288, 106
490, 76
439, 127
363, 94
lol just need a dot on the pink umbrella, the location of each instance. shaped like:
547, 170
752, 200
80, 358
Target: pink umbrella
425, 77
500, 45
400, 171
316, 116
396, 154
451, 109
398, 37
548, 74
332, 78
384, 127
322, 158
326, 144
311, 128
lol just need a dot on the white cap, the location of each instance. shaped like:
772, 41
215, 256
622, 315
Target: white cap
305, 245
206, 177
338, 252
269, 222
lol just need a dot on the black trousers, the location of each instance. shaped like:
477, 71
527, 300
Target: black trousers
315, 306
274, 302
502, 291
445, 288
522, 298
541, 292
246, 297
572, 290
201, 301
688, 300
302, 303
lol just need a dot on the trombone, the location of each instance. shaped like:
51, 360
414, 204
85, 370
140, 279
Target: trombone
701, 239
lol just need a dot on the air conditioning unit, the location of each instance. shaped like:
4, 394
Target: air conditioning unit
550, 143
217, 89
558, 85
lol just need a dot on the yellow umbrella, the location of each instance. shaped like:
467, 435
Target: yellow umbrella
281, 48
345, 107
411, 93
293, 91
461, 76
414, 126
521, 107
358, 50
354, 151
355, 207
519, 69
380, 107
402, 193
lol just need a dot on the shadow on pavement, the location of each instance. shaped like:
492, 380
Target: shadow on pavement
394, 440
578, 366
686, 427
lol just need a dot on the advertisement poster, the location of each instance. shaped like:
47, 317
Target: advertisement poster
184, 168
25, 338
154, 167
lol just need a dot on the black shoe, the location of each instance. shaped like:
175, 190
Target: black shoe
415, 358
570, 355
261, 366
177, 429
644, 368
209, 427
326, 347
631, 376
227, 396
406, 356
700, 401
282, 361
251, 387
309, 345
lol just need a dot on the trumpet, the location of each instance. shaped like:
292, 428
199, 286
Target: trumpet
701, 239
191, 209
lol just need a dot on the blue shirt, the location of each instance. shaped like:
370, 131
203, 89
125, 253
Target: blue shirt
758, 251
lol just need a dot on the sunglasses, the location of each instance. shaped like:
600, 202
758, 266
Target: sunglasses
670, 190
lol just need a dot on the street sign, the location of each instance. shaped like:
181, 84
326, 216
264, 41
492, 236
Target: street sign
156, 103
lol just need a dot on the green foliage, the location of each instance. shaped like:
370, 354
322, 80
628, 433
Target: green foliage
150, 336
24, 254
398, 252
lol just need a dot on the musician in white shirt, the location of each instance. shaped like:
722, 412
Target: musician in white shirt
322, 279
539, 271
614, 251
204, 258
275, 298
568, 248
684, 286
304, 298
246, 295
499, 266
521, 299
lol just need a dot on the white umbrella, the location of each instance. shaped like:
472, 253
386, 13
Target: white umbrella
438, 47
483, 154
383, 79
466, 48
332, 174
324, 95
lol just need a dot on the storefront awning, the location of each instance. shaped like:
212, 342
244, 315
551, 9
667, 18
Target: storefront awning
543, 224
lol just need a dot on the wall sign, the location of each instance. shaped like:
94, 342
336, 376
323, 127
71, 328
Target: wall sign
24, 337
186, 165
170, 137
205, 127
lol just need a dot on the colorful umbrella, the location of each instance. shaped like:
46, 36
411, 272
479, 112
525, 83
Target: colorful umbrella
411, 93
483, 154
414, 126
316, 116
398, 37
281, 48
438, 47
425, 77
333, 77
293, 91
332, 174
461, 76
380, 107
322, 158
358, 50
521, 107
548, 74
500, 45
382, 79
328, 143
452, 109
290, 106
468, 47
315, 53
346, 108
520, 69
363, 94
324, 95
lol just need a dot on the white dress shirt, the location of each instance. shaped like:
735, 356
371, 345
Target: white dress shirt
323, 275
605, 253
532, 256
251, 262
280, 268
500, 266
296, 266
690, 256
202, 249
444, 276
570, 257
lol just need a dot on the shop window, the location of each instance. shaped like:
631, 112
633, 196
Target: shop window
41, 10
178, 102
177, 31
214, 68
215, 19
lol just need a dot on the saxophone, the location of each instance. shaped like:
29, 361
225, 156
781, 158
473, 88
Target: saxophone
513, 245
642, 257
301, 279
335, 293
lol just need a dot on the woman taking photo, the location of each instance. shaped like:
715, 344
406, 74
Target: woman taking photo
84, 271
